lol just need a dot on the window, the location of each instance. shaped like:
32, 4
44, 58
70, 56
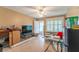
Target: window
55, 24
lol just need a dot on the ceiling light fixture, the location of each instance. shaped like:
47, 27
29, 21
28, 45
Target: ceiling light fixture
41, 11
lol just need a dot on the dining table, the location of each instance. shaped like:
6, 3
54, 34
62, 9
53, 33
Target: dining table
54, 40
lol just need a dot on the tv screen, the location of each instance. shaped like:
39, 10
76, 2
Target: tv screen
29, 28
26, 28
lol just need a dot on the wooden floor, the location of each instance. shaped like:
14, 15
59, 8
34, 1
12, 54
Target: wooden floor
33, 44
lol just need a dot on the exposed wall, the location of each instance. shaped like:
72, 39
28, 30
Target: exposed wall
73, 11
9, 17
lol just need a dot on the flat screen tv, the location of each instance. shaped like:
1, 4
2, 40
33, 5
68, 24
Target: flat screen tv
26, 28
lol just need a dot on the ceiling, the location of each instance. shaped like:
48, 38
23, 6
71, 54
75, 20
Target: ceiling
40, 11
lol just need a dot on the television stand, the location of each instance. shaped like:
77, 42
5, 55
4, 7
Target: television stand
26, 36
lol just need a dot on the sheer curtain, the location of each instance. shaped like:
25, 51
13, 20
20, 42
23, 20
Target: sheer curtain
55, 24
38, 26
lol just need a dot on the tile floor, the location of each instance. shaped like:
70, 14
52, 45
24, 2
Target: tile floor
33, 44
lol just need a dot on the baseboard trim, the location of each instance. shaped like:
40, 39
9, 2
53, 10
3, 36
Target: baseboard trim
21, 42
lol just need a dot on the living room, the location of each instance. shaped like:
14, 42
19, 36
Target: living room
36, 28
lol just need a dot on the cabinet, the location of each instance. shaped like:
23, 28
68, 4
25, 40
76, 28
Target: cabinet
14, 37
